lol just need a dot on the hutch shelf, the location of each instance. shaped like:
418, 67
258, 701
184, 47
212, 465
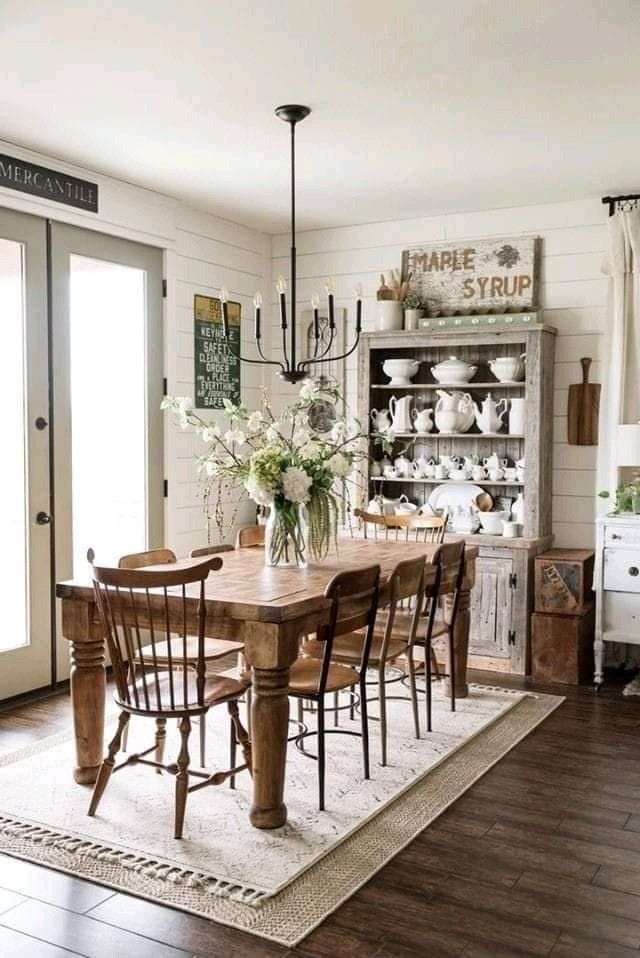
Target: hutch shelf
502, 600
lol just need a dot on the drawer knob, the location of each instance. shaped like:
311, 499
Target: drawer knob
633, 570
614, 535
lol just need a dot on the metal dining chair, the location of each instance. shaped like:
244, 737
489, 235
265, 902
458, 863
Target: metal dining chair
354, 603
180, 690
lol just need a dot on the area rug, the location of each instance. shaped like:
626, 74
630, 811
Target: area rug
277, 884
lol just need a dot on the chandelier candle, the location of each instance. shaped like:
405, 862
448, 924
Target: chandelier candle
291, 368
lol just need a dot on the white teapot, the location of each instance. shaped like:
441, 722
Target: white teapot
381, 420
422, 420
403, 466
490, 417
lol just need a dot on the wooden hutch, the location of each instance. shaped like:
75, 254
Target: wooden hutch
502, 599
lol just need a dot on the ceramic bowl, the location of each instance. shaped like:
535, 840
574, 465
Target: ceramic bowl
491, 522
453, 370
507, 369
400, 371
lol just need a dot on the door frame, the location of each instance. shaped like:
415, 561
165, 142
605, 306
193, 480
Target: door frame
36, 659
64, 241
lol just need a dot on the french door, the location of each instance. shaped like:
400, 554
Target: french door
88, 309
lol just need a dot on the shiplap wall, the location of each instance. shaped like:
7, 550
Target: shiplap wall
209, 253
573, 297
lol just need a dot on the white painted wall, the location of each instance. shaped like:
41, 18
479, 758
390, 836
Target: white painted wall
573, 297
202, 252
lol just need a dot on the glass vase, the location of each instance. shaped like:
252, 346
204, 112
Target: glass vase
285, 543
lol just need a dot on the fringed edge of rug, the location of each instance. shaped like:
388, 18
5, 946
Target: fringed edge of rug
150, 868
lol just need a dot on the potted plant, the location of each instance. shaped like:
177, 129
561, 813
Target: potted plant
626, 497
414, 310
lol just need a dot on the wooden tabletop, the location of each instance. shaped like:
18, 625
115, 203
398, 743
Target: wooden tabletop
245, 588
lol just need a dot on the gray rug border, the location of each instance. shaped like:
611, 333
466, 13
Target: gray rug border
287, 917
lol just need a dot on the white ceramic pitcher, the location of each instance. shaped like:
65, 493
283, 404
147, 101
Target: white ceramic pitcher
516, 416
400, 413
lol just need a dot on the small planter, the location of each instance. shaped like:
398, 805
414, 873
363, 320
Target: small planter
412, 318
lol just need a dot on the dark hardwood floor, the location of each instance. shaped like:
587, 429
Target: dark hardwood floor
540, 857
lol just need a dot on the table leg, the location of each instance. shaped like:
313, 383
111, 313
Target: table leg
88, 688
270, 649
460, 640
270, 729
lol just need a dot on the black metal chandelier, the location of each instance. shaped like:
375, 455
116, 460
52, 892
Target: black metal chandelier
292, 369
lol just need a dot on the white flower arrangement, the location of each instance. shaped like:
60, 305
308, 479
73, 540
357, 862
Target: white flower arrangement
281, 463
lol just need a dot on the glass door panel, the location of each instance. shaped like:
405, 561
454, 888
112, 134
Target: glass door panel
108, 422
25, 637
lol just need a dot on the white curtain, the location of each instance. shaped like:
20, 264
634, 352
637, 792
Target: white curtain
620, 399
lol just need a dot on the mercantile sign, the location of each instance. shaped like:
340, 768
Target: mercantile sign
36, 180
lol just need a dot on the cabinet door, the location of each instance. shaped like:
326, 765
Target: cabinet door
491, 608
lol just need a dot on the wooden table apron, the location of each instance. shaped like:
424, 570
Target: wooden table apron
268, 609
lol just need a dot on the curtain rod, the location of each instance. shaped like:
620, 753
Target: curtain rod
612, 201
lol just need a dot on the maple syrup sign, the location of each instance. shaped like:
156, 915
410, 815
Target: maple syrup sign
476, 277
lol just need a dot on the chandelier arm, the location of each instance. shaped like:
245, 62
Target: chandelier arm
258, 362
335, 359
318, 359
286, 364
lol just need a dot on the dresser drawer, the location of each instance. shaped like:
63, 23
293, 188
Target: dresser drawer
622, 570
622, 535
621, 614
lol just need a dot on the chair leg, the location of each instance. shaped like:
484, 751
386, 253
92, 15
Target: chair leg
107, 766
182, 778
452, 669
203, 741
336, 714
161, 738
365, 724
232, 752
321, 754
240, 734
413, 691
427, 658
382, 696
301, 721
125, 738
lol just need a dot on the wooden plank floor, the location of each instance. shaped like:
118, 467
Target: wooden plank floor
540, 857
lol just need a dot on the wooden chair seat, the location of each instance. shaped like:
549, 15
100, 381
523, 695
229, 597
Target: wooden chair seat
304, 676
213, 649
348, 648
217, 689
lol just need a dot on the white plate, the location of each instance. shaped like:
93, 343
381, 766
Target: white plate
449, 497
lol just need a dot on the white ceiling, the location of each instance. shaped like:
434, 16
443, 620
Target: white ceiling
419, 106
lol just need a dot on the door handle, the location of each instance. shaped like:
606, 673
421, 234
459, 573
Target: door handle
41, 423
43, 518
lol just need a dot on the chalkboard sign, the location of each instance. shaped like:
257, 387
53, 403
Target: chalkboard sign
217, 369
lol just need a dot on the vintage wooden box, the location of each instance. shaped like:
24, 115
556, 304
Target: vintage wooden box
564, 581
562, 647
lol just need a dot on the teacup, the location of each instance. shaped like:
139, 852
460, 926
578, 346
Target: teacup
390, 472
496, 475
511, 530
511, 473
478, 473
459, 474
440, 471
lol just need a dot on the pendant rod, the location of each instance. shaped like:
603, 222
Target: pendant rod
293, 244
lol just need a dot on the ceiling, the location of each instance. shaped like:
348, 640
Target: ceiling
419, 106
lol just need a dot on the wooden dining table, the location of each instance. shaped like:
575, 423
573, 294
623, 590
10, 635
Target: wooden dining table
268, 609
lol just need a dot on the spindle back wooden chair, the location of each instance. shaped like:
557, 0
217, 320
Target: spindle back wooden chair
203, 551
214, 648
403, 528
130, 601
354, 603
250, 537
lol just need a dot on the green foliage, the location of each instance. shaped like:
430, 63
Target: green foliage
624, 496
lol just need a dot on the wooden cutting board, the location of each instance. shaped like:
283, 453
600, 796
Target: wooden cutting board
583, 410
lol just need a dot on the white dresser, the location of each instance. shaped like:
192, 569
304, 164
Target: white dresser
617, 584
